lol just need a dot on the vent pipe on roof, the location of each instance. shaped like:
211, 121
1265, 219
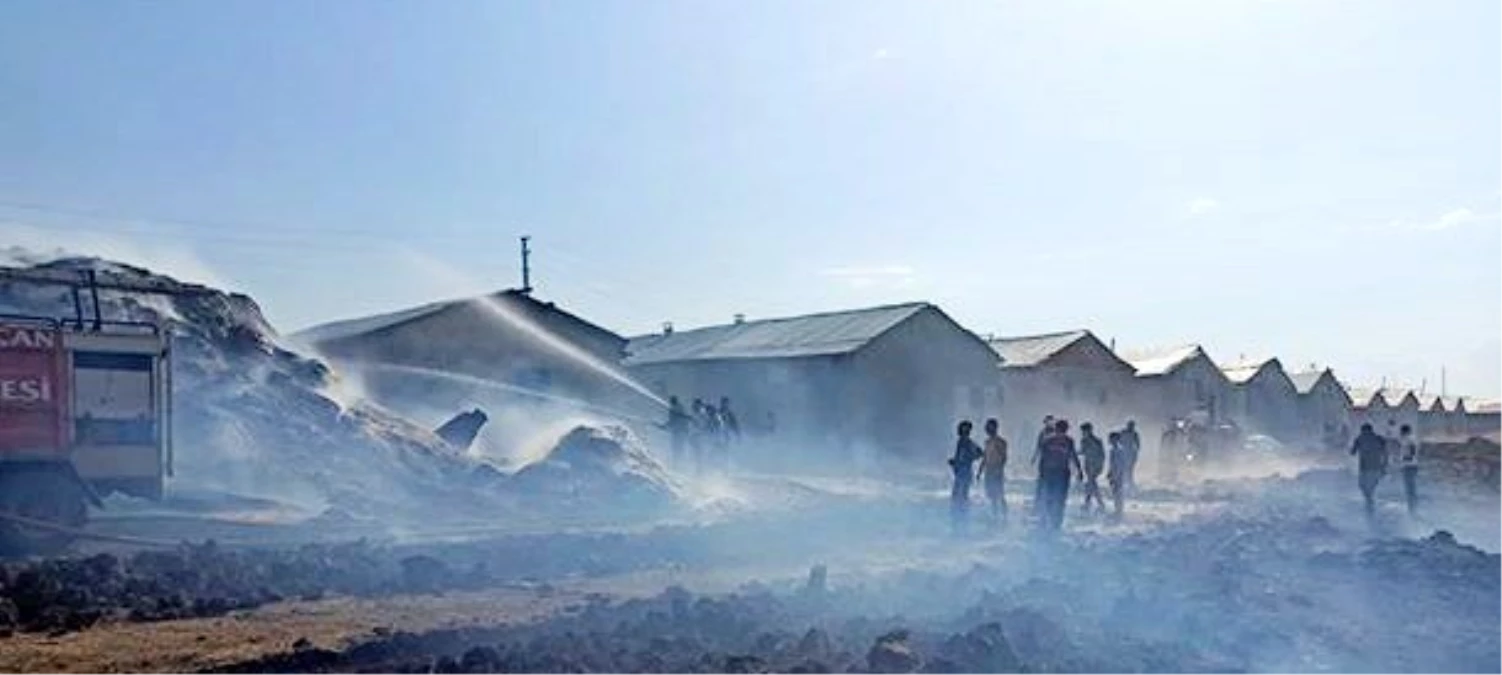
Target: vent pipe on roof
526, 266
739, 319
667, 328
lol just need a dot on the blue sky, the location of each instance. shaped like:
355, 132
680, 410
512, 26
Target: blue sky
1312, 180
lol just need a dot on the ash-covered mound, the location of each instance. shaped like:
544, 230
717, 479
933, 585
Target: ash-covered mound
251, 415
603, 467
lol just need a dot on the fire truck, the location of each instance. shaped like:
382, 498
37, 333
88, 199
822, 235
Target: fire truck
85, 411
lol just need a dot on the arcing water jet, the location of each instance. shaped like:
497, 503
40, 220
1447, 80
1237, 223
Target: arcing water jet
508, 317
494, 385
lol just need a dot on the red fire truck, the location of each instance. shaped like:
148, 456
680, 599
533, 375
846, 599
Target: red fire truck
85, 411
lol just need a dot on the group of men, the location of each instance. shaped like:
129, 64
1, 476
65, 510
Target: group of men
1057, 457
1374, 452
703, 429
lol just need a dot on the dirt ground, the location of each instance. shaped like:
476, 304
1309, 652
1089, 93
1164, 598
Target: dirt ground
199, 644
193, 645
1241, 524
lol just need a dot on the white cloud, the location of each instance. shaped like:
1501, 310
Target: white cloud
1455, 218
885, 277
1448, 220
1202, 207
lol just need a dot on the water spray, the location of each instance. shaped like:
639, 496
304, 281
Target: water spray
496, 385
498, 312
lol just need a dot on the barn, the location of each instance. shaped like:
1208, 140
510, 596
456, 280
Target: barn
1263, 398
1386, 409
1401, 406
884, 382
1176, 382
518, 348
1432, 416
1454, 424
1069, 374
1324, 407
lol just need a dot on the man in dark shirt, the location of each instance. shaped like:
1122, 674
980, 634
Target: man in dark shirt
1371, 463
1055, 461
1043, 434
966, 452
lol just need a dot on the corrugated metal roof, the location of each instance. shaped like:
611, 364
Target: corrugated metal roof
1160, 361
1394, 396
538, 311
1304, 381
1391, 397
1361, 397
1492, 407
1426, 400
339, 330
811, 335
1031, 350
1454, 402
1243, 371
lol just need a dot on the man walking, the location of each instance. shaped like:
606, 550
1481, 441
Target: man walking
1371, 454
1095, 462
1116, 474
1408, 459
1131, 448
993, 470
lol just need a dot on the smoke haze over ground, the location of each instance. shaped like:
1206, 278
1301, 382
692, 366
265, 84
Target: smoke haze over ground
792, 553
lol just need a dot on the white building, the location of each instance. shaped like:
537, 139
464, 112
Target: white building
892, 379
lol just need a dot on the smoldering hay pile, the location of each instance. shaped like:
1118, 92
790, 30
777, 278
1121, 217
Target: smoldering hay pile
254, 416
594, 467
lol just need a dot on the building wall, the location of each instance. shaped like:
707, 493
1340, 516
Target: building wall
1196, 385
1484, 424
898, 397
924, 376
803, 400
1379, 413
1435, 423
1325, 413
1080, 384
1269, 404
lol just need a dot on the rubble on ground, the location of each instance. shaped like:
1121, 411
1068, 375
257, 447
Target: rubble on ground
1252, 594
1474, 462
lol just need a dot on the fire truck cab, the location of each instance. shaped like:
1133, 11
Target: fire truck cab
85, 411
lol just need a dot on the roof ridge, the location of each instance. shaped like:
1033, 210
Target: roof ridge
1012, 338
799, 317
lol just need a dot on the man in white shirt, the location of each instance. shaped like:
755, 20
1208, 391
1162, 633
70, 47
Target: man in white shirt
1408, 459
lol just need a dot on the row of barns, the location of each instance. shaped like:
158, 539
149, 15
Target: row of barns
890, 380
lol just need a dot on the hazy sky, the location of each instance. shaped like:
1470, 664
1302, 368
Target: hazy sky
1312, 180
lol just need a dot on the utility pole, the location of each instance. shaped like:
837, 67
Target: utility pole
526, 266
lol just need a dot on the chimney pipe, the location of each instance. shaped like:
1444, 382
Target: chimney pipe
739, 319
667, 328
